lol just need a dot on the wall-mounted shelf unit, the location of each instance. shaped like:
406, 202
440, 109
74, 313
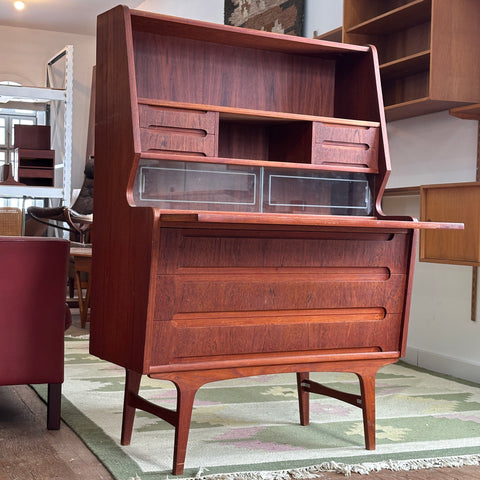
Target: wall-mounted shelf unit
334, 35
428, 51
467, 112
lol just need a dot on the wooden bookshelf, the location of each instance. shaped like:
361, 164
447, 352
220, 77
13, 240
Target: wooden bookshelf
428, 51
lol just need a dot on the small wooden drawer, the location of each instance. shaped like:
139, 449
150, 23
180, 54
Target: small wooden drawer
29, 158
43, 177
338, 145
178, 130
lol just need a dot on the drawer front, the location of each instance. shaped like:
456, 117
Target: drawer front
178, 131
184, 250
318, 291
345, 145
182, 341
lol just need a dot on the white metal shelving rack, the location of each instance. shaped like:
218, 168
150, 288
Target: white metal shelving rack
58, 99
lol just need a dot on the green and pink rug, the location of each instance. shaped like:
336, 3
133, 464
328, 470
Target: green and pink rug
251, 425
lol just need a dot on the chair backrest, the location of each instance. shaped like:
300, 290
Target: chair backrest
11, 221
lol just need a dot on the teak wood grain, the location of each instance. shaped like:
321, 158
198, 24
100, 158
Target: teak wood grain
198, 295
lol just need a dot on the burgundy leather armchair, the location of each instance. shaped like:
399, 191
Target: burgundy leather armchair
33, 315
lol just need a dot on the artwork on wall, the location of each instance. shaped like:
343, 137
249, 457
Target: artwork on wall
280, 16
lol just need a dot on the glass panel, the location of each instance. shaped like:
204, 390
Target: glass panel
315, 192
197, 186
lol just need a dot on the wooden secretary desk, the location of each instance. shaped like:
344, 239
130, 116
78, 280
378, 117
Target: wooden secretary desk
238, 227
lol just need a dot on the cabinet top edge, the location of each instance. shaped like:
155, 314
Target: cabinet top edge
226, 34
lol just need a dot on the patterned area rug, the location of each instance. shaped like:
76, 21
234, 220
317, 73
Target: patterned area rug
279, 16
251, 425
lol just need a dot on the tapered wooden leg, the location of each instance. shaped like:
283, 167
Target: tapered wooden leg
180, 419
54, 405
365, 401
132, 385
303, 399
185, 399
367, 388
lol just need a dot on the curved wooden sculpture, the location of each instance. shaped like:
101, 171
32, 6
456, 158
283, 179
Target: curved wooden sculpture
238, 227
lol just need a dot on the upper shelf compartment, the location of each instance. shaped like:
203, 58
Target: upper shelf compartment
409, 65
384, 20
251, 70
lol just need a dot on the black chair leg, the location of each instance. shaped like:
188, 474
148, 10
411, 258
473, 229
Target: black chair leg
54, 405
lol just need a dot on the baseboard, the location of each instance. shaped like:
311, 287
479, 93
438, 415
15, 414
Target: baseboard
443, 364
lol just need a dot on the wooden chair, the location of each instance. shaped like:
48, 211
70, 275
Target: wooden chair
11, 220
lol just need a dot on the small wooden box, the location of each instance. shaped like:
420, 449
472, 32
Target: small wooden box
35, 137
457, 202
36, 167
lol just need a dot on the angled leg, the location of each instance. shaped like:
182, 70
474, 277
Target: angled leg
185, 399
132, 385
180, 418
54, 405
365, 401
367, 388
303, 398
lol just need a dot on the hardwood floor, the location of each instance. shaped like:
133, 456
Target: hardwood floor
28, 451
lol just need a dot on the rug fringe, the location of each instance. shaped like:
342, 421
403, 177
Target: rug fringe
345, 469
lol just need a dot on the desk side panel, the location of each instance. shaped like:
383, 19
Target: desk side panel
123, 238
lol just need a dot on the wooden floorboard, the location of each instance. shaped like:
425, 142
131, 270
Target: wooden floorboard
28, 451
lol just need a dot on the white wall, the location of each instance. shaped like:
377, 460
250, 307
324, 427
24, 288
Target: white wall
428, 149
322, 16
435, 148
205, 10
23, 56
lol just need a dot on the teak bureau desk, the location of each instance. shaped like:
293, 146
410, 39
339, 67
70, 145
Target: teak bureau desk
238, 227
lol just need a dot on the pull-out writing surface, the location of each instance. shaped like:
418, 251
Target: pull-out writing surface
238, 228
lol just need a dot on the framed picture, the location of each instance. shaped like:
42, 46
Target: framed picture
280, 16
